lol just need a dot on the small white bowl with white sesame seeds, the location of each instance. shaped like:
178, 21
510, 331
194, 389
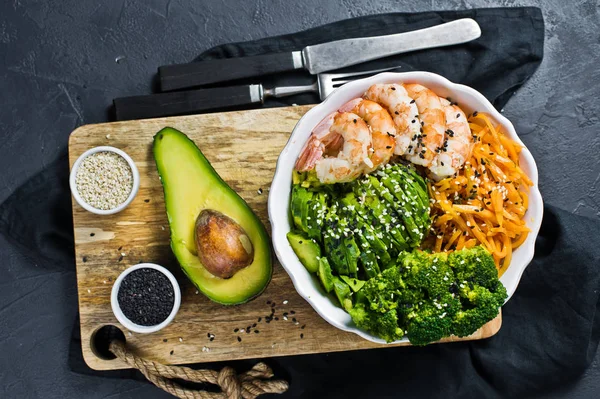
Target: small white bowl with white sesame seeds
104, 180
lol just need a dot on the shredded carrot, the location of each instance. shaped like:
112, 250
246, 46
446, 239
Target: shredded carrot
485, 203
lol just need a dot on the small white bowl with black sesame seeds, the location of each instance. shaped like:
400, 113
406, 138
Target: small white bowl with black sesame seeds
104, 180
152, 300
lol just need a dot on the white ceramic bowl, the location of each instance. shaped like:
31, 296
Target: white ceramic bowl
308, 285
88, 207
128, 324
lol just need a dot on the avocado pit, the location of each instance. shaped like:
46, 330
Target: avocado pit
223, 246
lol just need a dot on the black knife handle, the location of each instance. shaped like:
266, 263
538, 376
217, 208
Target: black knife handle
180, 76
186, 102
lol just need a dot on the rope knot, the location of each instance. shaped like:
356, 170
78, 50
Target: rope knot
229, 383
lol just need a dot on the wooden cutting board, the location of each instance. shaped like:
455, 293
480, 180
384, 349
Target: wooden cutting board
243, 148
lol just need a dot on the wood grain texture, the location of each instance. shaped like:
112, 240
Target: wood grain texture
243, 148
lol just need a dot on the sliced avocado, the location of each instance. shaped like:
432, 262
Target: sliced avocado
390, 203
191, 186
306, 204
298, 177
367, 257
333, 242
310, 179
343, 293
298, 197
383, 220
354, 283
306, 249
316, 212
352, 254
325, 274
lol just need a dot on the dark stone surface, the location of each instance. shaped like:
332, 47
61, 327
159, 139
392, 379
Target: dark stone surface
63, 61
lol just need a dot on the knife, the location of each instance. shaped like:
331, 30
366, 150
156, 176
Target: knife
318, 58
223, 98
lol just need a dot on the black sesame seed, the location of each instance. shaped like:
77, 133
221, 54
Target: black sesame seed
388, 146
393, 88
120, 258
211, 339
120, 248
170, 353
254, 325
475, 113
260, 191
236, 330
285, 313
276, 318
239, 339
146, 201
413, 121
268, 302
354, 121
422, 123
259, 319
397, 113
302, 336
412, 101
92, 234
294, 320
256, 331
84, 259
300, 242
165, 340
208, 335
146, 297
292, 312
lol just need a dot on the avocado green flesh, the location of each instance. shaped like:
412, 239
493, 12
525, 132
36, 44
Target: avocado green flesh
306, 250
191, 185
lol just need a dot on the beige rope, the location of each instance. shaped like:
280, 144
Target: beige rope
247, 385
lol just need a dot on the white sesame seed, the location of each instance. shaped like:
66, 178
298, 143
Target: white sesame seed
285, 302
104, 180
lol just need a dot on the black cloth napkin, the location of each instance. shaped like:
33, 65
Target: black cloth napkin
550, 327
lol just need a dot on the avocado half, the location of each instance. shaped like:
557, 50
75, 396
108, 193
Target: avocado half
191, 185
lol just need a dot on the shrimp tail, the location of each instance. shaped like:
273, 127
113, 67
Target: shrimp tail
311, 153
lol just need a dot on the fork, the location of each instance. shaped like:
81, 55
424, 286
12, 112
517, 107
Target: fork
325, 84
223, 98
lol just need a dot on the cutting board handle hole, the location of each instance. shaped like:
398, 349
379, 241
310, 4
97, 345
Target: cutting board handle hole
102, 338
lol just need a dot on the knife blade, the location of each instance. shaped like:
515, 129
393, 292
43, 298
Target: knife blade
318, 58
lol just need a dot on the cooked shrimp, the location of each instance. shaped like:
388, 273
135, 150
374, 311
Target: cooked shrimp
430, 139
383, 130
354, 155
457, 145
322, 141
403, 111
351, 135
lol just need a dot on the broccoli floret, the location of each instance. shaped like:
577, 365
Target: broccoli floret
480, 291
430, 273
427, 324
382, 291
428, 307
384, 325
480, 305
475, 266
